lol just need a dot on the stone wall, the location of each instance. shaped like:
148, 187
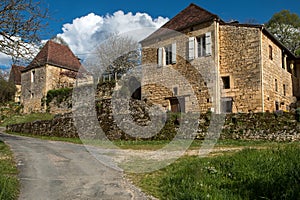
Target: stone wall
278, 126
275, 73
190, 77
33, 89
240, 60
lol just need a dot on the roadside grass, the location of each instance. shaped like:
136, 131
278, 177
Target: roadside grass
17, 119
272, 173
156, 144
9, 184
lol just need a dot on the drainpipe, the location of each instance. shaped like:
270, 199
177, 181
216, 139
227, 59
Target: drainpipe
217, 60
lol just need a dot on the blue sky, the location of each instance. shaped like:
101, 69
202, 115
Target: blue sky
261, 10
82, 23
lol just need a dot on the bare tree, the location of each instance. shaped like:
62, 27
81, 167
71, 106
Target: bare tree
20, 24
59, 40
116, 55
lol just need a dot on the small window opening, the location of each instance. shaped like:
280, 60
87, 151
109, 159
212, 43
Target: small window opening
226, 82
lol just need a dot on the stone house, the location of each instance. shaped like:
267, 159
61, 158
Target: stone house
198, 62
15, 77
54, 67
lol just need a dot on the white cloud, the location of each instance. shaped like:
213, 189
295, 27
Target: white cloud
5, 61
86, 32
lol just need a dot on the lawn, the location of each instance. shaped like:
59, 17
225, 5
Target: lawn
272, 173
19, 118
9, 184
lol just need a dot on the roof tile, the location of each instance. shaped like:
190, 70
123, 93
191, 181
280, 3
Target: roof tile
55, 54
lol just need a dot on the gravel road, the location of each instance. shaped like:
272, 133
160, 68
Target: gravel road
59, 170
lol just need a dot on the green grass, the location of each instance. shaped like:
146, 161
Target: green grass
9, 184
272, 173
154, 145
17, 119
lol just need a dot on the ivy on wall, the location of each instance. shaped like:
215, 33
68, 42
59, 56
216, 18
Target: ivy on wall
59, 95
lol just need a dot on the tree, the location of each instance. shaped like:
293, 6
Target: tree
7, 89
286, 27
116, 55
20, 24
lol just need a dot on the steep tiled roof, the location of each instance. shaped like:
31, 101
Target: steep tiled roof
15, 74
55, 54
190, 16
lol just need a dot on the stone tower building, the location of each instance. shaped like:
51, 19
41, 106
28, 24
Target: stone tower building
54, 67
198, 62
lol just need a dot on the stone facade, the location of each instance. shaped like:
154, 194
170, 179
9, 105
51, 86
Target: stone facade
190, 78
239, 60
54, 67
234, 74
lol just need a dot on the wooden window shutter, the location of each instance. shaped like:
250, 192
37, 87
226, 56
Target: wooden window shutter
208, 43
173, 53
160, 56
191, 48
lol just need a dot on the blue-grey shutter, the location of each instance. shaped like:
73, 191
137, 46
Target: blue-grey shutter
208, 43
174, 53
191, 48
160, 56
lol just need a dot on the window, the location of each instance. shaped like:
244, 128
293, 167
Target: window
32, 76
226, 82
199, 46
32, 95
168, 52
276, 85
284, 61
226, 105
167, 55
175, 91
276, 105
284, 90
270, 52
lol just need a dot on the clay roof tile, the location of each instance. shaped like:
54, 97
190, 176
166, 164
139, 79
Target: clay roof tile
55, 54
190, 16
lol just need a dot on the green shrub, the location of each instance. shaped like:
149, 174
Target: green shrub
60, 94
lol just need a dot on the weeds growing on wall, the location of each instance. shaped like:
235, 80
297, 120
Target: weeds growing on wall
60, 95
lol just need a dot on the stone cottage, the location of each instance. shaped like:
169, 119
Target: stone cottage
15, 77
198, 62
54, 67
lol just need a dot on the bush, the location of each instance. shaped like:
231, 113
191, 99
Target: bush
60, 94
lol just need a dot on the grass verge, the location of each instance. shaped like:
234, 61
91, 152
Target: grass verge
154, 145
17, 119
272, 173
9, 184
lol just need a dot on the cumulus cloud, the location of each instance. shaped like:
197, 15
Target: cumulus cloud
87, 32
5, 61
